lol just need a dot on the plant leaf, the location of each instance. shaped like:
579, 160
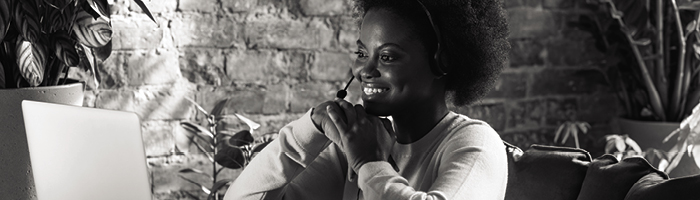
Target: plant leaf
249, 122
642, 42
26, 19
5, 14
227, 155
205, 189
64, 47
103, 52
675, 159
92, 32
217, 186
574, 132
631, 143
558, 133
566, 133
218, 109
230, 157
31, 59
583, 126
100, 7
241, 139
264, 141
691, 26
614, 143
200, 131
194, 171
145, 10
90, 57
198, 107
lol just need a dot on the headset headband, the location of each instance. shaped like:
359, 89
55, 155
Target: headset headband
437, 69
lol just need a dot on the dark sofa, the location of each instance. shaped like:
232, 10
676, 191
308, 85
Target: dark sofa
562, 173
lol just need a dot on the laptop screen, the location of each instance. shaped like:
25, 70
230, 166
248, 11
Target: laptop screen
85, 153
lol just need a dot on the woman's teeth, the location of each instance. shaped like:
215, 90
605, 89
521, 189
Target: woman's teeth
371, 91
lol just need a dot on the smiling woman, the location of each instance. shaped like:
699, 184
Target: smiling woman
412, 56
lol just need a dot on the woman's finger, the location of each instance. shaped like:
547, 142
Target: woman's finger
336, 118
349, 110
360, 111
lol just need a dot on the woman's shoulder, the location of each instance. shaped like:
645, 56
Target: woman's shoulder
463, 129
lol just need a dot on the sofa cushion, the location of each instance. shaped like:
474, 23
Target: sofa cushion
658, 186
608, 179
545, 172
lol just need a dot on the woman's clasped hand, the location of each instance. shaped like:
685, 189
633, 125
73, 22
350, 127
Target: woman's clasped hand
363, 137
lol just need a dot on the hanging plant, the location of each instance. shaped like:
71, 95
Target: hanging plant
42, 39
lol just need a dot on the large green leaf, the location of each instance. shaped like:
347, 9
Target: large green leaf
92, 32
58, 16
5, 14
64, 47
240, 139
144, 8
27, 20
31, 59
231, 151
102, 53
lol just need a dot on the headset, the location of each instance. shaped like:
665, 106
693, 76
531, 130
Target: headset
436, 66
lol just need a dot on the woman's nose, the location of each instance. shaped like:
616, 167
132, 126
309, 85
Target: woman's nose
367, 70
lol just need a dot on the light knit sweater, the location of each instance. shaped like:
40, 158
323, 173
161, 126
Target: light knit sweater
460, 158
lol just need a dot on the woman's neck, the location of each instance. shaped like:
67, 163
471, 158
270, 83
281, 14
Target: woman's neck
412, 124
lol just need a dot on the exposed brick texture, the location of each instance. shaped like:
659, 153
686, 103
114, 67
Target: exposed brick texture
277, 59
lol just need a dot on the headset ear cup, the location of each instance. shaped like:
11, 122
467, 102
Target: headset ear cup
436, 65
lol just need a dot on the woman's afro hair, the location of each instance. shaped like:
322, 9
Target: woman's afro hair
473, 38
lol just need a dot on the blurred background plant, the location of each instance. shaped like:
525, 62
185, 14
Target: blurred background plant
622, 146
653, 49
222, 145
571, 128
685, 154
42, 39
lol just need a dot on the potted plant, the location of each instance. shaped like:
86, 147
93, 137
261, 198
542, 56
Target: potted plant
654, 60
39, 41
223, 146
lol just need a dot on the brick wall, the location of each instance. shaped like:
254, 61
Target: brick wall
278, 58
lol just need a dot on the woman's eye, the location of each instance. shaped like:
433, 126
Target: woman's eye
360, 54
386, 58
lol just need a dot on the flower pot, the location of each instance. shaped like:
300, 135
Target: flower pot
16, 178
648, 134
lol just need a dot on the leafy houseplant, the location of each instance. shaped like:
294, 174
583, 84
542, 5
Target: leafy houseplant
571, 128
658, 46
41, 39
221, 145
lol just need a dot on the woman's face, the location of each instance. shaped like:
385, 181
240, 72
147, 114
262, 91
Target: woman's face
392, 65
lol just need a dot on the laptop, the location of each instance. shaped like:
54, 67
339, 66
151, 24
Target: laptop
81, 153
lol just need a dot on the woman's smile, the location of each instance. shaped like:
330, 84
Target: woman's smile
373, 90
